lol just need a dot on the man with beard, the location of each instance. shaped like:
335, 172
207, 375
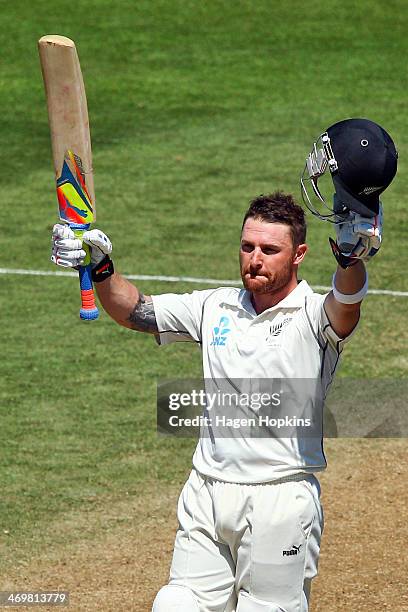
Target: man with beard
247, 502
250, 519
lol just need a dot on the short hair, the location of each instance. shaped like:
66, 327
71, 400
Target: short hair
279, 207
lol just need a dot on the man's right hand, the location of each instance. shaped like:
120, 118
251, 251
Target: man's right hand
67, 250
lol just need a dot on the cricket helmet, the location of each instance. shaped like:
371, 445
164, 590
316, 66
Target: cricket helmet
362, 161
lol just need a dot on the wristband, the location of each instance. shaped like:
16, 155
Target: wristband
354, 298
103, 270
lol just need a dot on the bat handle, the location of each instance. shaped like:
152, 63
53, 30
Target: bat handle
89, 310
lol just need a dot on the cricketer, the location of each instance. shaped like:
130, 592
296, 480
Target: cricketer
250, 517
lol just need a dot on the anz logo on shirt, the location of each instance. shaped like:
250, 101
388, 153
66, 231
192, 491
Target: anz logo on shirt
220, 332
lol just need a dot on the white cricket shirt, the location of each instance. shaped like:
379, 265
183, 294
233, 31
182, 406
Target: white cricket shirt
291, 340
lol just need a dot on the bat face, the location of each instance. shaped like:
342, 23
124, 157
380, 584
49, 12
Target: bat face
75, 204
69, 125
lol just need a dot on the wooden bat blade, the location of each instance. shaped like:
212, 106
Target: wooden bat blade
67, 108
71, 148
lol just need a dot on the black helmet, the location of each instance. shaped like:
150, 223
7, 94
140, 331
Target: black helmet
362, 159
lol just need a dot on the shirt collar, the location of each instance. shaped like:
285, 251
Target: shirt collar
295, 299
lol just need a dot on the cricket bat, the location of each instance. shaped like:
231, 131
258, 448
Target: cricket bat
71, 148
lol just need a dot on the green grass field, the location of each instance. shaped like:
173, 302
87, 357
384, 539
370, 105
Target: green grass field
195, 108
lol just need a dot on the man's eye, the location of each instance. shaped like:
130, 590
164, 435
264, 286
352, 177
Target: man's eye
247, 248
269, 251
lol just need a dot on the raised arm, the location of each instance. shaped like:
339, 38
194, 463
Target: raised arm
126, 304
358, 239
348, 282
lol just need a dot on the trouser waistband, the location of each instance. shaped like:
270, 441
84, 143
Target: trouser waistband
291, 478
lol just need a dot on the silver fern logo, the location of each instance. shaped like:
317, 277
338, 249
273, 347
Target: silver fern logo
369, 190
278, 327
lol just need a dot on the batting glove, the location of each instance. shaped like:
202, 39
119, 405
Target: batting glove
357, 238
67, 250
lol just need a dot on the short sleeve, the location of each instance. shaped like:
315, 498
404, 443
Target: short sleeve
329, 332
179, 316
319, 321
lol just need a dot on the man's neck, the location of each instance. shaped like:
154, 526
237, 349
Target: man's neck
263, 301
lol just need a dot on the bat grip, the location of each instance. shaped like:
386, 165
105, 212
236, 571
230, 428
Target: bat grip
89, 310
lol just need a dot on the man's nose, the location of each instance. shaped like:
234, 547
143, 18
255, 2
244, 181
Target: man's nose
256, 259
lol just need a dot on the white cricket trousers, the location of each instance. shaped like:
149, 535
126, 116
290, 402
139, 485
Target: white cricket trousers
244, 546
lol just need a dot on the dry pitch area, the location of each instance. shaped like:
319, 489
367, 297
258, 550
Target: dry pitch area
363, 562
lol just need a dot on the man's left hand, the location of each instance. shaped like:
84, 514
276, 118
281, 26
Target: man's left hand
357, 238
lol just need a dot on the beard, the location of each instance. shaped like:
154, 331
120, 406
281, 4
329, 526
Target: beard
268, 284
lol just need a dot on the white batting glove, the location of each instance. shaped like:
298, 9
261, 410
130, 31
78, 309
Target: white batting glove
99, 243
67, 250
360, 237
